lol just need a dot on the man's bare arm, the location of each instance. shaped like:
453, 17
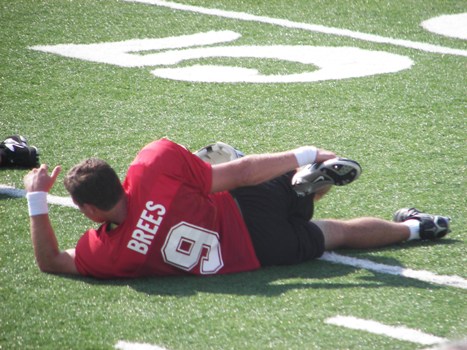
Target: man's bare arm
49, 257
255, 169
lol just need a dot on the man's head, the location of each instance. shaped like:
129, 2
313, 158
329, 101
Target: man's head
94, 182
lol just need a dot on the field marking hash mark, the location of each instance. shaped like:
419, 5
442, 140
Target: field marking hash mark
396, 332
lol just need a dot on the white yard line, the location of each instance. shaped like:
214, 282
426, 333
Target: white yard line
123, 345
14, 192
399, 332
421, 275
395, 332
306, 26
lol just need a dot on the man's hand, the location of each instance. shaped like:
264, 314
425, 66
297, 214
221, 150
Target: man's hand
323, 155
38, 179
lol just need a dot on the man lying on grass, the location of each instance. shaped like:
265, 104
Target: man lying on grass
176, 213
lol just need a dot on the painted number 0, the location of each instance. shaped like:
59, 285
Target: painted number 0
188, 246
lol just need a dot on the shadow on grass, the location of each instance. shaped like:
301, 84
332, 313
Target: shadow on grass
366, 254
270, 281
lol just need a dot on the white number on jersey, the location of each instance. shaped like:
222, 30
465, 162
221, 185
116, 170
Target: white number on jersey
188, 246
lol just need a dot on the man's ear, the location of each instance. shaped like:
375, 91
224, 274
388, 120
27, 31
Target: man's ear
90, 209
93, 213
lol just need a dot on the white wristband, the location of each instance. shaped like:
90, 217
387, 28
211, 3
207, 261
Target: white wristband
37, 203
305, 155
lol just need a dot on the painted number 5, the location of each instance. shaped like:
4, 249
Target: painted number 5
319, 63
188, 246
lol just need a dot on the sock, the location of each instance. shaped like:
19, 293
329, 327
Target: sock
414, 227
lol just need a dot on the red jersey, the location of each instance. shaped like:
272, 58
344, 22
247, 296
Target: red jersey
174, 225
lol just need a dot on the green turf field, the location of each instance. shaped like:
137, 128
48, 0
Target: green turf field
406, 128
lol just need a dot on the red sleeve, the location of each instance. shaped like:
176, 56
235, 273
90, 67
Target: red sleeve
173, 160
86, 258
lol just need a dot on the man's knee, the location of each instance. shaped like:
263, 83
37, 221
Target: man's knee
333, 232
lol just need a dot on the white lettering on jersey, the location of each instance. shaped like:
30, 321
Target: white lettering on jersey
147, 227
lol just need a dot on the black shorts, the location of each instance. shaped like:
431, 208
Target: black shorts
279, 222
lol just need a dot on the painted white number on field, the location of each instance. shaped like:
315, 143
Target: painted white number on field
324, 63
188, 246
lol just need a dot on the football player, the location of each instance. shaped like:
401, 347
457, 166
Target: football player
212, 212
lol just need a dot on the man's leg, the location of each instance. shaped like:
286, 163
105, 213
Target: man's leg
361, 233
321, 193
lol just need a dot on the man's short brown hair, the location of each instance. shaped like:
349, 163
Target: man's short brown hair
94, 182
